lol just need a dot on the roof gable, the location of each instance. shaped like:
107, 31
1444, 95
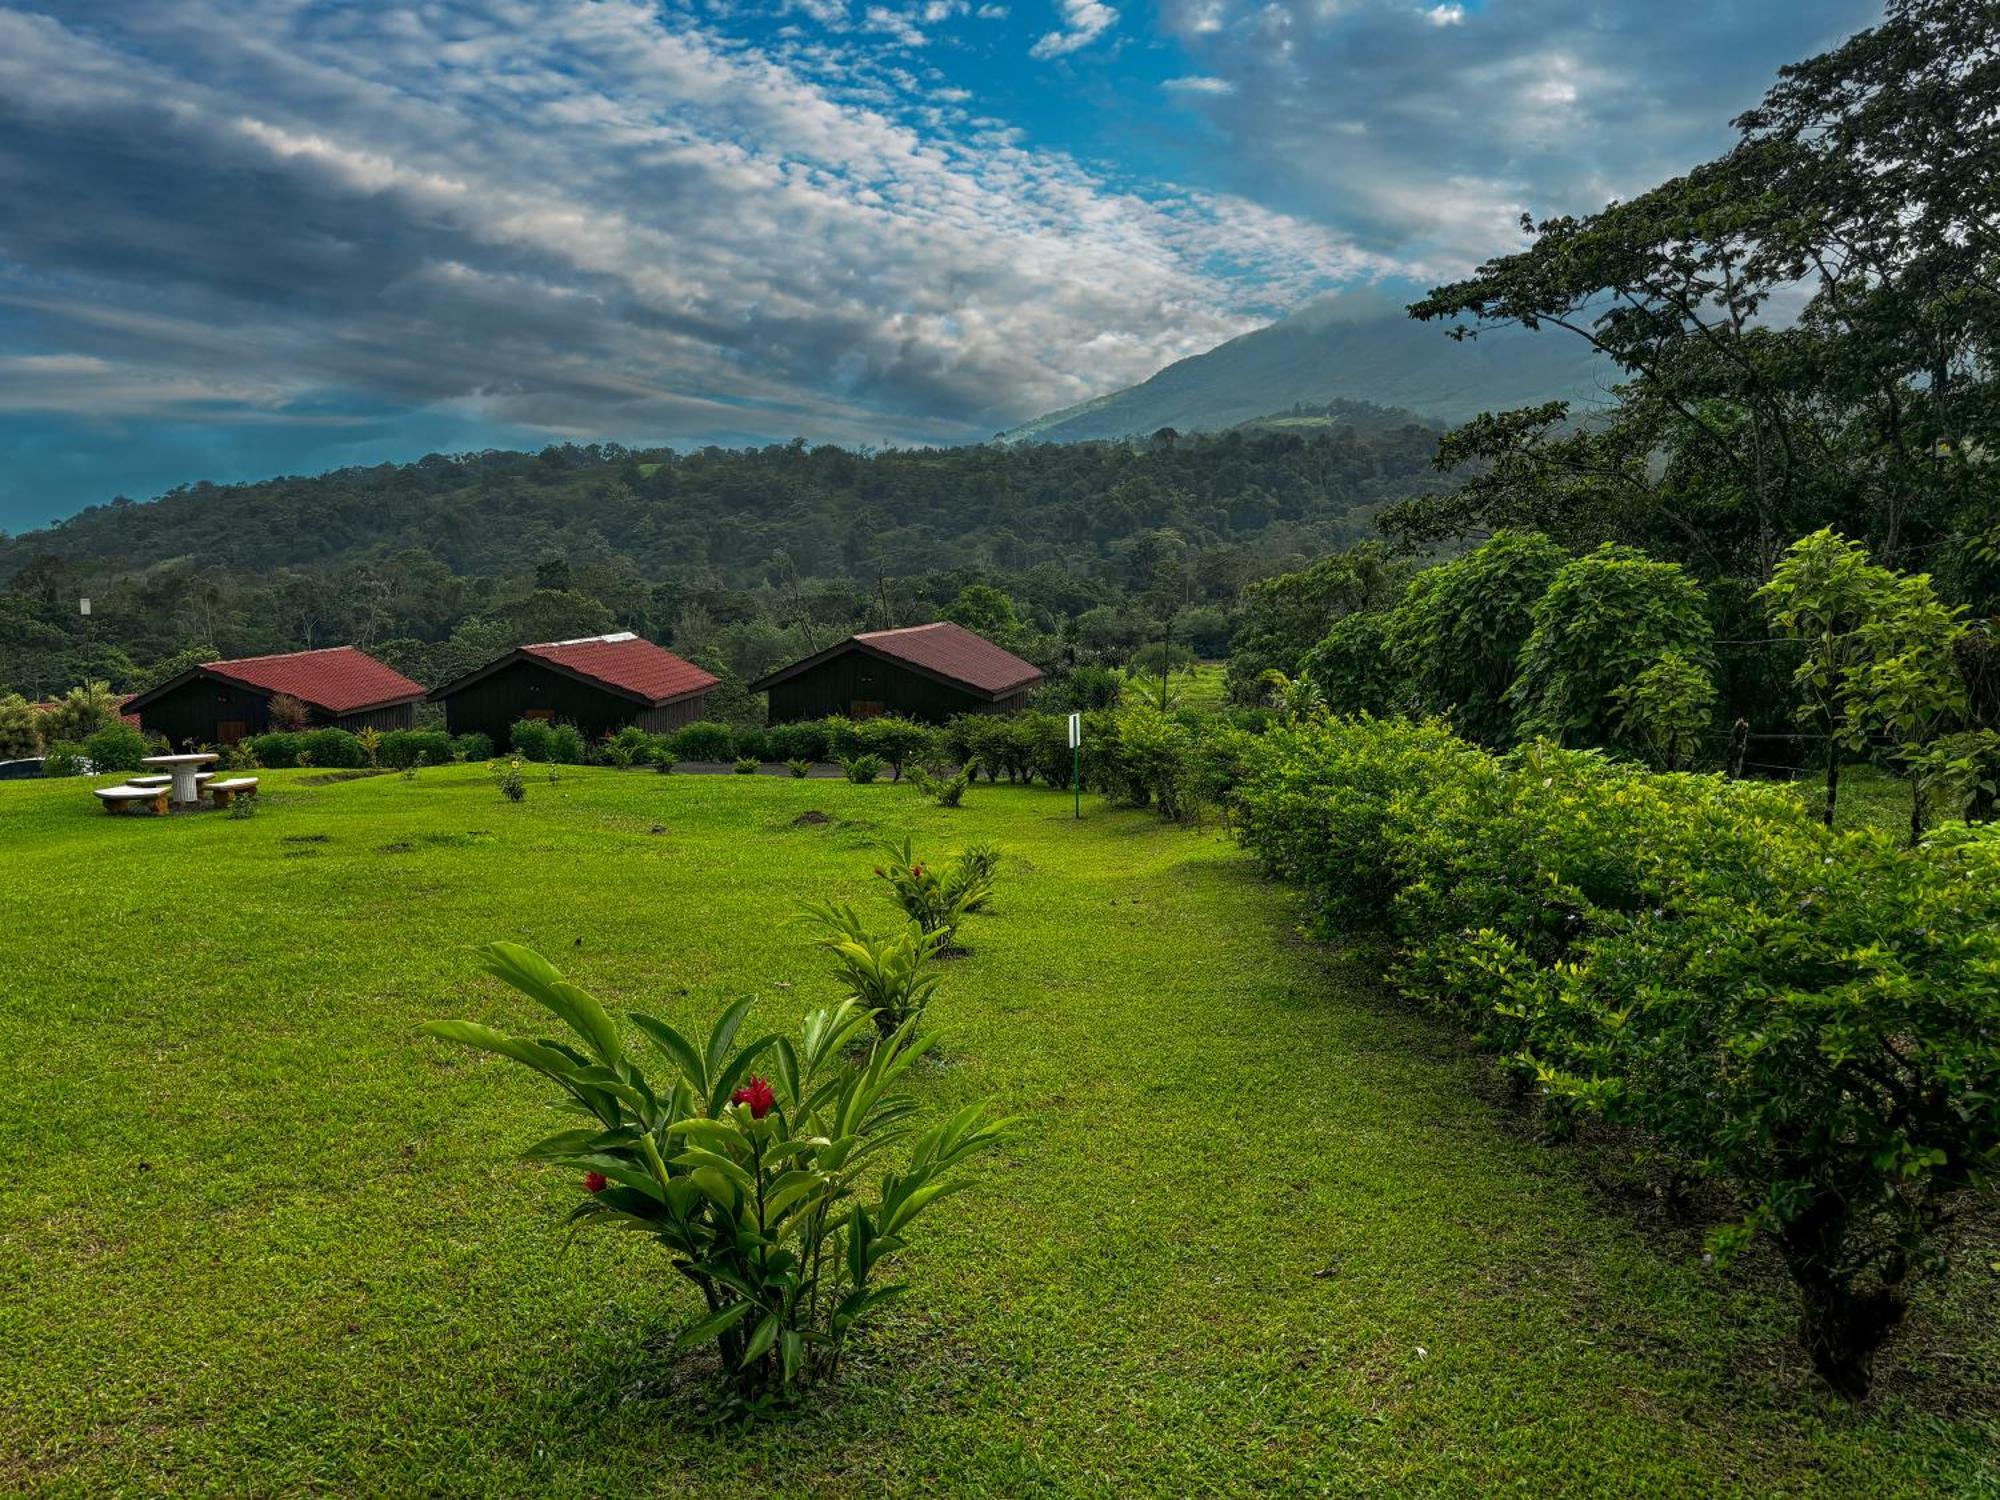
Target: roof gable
941, 650
625, 664
335, 679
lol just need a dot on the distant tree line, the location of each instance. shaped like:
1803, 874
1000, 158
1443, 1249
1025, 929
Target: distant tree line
741, 558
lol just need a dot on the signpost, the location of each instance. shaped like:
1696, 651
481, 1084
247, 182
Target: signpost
1076, 749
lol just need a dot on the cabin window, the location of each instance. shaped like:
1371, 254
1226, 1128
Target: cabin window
864, 708
546, 715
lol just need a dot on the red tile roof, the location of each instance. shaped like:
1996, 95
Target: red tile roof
628, 664
339, 679
952, 651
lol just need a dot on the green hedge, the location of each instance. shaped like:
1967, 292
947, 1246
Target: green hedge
402, 748
1810, 1019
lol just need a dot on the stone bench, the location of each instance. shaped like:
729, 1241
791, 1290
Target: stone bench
225, 792
118, 798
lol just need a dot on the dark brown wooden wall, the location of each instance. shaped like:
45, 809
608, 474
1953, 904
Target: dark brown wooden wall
191, 713
188, 715
835, 686
493, 705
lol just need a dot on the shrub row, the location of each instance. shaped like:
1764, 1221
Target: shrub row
1809, 1019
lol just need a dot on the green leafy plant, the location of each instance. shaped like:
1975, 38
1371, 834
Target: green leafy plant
756, 1184
530, 739
64, 758
116, 747
885, 973
1666, 709
939, 897
664, 759
800, 769
370, 740
20, 728
704, 740
1605, 618
335, 749
748, 766
471, 747
508, 778
862, 769
1811, 1020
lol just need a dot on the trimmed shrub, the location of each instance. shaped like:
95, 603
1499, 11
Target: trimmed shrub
1811, 1019
530, 738
278, 750
747, 766
789, 742
116, 747
843, 738
472, 747
897, 740
334, 748
800, 769
400, 749
750, 744
567, 746
705, 740
64, 758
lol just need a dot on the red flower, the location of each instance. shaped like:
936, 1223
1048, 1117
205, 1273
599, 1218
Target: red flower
916, 872
757, 1094
595, 1182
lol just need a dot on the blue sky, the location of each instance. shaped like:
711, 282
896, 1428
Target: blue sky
245, 237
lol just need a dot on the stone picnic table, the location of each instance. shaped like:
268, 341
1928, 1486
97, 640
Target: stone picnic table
184, 769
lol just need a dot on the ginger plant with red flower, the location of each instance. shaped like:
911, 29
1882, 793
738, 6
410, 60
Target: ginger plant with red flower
771, 1192
939, 897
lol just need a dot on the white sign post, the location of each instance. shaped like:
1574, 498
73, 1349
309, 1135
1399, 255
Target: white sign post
1076, 751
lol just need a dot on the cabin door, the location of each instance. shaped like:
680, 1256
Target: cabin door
230, 731
864, 708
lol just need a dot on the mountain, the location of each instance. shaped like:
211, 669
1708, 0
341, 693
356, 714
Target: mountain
1351, 347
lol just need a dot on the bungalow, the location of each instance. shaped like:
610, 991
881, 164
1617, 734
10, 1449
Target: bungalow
221, 702
927, 672
599, 683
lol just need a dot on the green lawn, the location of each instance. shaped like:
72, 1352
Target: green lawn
1264, 1229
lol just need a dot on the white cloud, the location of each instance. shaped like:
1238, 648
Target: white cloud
1199, 85
1562, 105
1082, 22
631, 227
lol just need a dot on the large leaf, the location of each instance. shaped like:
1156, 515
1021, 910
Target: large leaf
677, 1047
543, 1059
540, 980
716, 1324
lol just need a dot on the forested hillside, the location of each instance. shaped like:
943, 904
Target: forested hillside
779, 546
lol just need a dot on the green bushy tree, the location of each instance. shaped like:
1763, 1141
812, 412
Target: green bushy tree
1605, 618
1456, 635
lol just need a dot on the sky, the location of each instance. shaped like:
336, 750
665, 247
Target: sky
248, 237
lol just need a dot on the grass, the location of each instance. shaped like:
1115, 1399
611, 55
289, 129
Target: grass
1265, 1229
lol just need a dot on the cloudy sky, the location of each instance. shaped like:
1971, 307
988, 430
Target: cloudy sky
243, 237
